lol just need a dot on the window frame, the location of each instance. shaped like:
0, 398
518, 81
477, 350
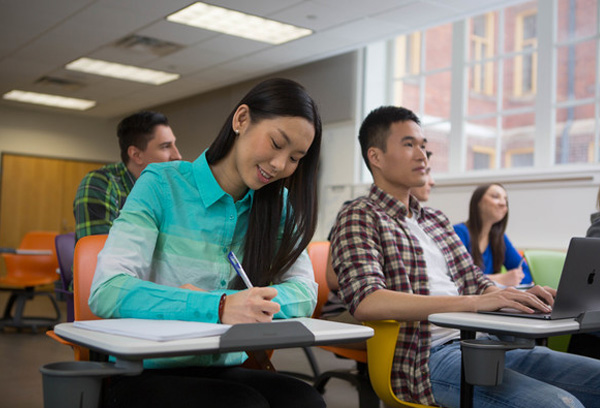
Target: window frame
484, 67
520, 43
544, 102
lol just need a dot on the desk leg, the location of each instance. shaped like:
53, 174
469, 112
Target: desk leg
466, 389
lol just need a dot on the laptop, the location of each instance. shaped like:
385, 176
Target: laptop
579, 287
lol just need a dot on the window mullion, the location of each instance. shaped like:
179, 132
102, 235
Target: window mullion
544, 144
500, 90
457, 149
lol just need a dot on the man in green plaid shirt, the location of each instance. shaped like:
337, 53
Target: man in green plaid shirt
144, 137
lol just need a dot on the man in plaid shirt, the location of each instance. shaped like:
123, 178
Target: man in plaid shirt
144, 137
397, 260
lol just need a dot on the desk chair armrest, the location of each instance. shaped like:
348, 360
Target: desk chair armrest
80, 353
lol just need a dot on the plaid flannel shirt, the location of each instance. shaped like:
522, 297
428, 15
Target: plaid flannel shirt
99, 198
373, 249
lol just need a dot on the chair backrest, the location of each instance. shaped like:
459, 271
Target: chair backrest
545, 266
65, 248
318, 251
34, 266
84, 266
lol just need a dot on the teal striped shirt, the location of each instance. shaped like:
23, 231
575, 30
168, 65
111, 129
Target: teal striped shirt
177, 227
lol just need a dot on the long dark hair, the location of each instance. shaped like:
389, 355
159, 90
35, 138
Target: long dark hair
496, 237
265, 258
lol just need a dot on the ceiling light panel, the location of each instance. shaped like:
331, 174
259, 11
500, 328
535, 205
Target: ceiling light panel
121, 71
49, 100
238, 24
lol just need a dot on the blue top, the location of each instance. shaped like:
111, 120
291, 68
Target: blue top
512, 258
177, 227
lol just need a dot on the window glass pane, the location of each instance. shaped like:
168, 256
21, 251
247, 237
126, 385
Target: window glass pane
576, 71
576, 19
437, 91
482, 95
483, 36
407, 55
575, 134
406, 93
520, 27
517, 140
438, 47
520, 81
437, 136
481, 144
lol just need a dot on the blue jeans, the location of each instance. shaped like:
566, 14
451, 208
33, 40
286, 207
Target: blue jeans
537, 377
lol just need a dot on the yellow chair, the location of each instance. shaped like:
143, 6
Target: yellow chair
546, 268
380, 356
25, 273
374, 366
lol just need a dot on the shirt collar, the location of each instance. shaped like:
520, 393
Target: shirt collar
208, 187
391, 205
127, 177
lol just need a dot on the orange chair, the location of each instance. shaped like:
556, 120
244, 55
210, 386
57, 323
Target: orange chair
24, 274
318, 251
84, 265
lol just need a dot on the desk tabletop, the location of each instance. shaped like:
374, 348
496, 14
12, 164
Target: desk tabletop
324, 332
497, 324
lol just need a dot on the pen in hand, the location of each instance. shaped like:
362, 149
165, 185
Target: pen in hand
238, 268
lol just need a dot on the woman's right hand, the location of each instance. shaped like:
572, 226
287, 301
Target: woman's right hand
250, 306
510, 278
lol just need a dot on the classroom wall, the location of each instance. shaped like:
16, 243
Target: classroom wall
546, 209
544, 214
57, 135
198, 119
195, 120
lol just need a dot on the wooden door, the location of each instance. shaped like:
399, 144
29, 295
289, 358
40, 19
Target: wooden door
37, 194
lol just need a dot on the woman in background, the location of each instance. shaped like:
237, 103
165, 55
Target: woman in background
483, 235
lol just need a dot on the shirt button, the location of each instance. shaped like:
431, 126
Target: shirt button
224, 250
223, 283
231, 217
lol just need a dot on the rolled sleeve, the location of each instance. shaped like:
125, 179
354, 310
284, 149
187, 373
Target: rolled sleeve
357, 257
297, 289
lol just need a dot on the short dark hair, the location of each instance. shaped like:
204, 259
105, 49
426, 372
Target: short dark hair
137, 130
375, 129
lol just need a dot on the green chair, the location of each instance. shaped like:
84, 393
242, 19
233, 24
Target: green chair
546, 268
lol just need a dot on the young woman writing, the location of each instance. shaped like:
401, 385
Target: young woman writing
252, 192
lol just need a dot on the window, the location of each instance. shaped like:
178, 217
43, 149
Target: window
482, 48
519, 157
525, 64
422, 67
408, 53
576, 88
483, 157
487, 102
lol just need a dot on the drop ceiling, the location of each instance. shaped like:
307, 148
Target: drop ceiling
39, 37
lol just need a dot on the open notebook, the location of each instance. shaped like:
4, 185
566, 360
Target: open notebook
157, 330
